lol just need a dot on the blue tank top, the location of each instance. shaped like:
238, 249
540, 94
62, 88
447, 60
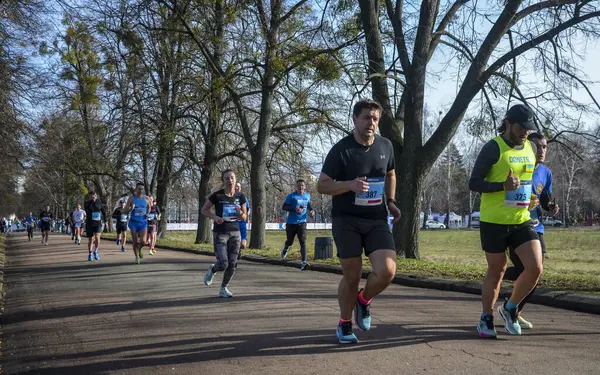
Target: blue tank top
141, 206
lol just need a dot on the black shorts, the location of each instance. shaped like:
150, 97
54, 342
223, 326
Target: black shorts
151, 228
495, 238
293, 230
353, 234
93, 228
45, 227
121, 227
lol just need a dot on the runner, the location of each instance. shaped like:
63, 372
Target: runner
68, 224
30, 224
121, 216
229, 209
502, 174
359, 172
45, 221
153, 218
297, 204
95, 215
139, 206
78, 218
542, 185
243, 224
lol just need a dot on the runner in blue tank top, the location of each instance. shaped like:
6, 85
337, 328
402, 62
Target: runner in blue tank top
139, 206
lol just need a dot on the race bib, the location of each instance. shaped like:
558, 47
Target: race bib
45, 218
151, 216
302, 203
96, 216
229, 212
373, 197
123, 218
520, 197
139, 211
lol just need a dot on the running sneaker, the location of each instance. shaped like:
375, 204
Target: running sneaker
345, 334
123, 248
362, 315
524, 323
511, 322
118, 241
284, 252
210, 275
141, 253
486, 328
225, 293
96, 255
137, 260
303, 266
90, 257
46, 243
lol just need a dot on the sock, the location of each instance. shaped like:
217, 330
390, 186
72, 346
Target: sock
362, 299
345, 321
484, 315
509, 305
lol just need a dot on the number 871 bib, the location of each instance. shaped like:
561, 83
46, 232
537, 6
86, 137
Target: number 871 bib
374, 196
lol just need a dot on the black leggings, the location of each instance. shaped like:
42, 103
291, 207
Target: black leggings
299, 230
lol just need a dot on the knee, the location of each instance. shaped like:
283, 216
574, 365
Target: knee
535, 269
496, 272
352, 279
221, 266
387, 274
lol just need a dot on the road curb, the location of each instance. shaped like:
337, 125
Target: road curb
547, 297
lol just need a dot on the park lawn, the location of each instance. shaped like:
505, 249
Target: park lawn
572, 264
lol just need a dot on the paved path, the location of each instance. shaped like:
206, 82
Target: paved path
65, 315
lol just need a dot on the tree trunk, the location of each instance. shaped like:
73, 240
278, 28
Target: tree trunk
406, 234
204, 230
165, 167
257, 181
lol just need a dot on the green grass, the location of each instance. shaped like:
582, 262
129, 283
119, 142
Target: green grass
572, 264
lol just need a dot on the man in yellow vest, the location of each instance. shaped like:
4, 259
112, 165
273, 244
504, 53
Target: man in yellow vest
502, 174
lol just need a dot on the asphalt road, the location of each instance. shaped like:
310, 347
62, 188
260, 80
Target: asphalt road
65, 315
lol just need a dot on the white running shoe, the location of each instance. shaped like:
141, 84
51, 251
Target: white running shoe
225, 293
210, 275
524, 323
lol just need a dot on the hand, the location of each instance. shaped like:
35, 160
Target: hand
218, 219
358, 185
533, 202
238, 210
299, 209
395, 211
553, 209
512, 183
312, 213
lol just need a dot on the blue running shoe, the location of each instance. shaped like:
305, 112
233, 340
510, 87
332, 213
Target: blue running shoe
123, 248
118, 241
486, 328
210, 276
96, 256
362, 315
345, 334
90, 257
511, 321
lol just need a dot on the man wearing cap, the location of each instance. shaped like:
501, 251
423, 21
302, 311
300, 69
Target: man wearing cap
503, 174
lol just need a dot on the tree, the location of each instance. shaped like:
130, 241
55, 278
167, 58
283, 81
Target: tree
516, 29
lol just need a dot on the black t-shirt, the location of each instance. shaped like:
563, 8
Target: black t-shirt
45, 217
121, 215
94, 212
154, 212
348, 160
225, 208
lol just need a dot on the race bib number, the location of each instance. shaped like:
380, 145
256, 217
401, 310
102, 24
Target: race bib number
520, 197
151, 216
229, 212
373, 197
123, 218
46, 219
139, 211
96, 216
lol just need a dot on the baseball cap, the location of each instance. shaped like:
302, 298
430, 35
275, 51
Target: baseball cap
522, 115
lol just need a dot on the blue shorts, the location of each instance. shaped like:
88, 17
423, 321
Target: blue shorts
138, 226
243, 230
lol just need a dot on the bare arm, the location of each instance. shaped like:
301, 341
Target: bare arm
244, 213
130, 206
390, 184
206, 210
326, 185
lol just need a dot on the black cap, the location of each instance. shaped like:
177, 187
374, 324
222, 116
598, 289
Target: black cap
522, 115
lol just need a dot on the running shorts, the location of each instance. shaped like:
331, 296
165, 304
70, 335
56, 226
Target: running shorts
353, 234
496, 238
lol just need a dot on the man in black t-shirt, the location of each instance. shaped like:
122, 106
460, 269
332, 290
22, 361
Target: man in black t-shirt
95, 217
153, 219
45, 221
359, 173
121, 215
229, 208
